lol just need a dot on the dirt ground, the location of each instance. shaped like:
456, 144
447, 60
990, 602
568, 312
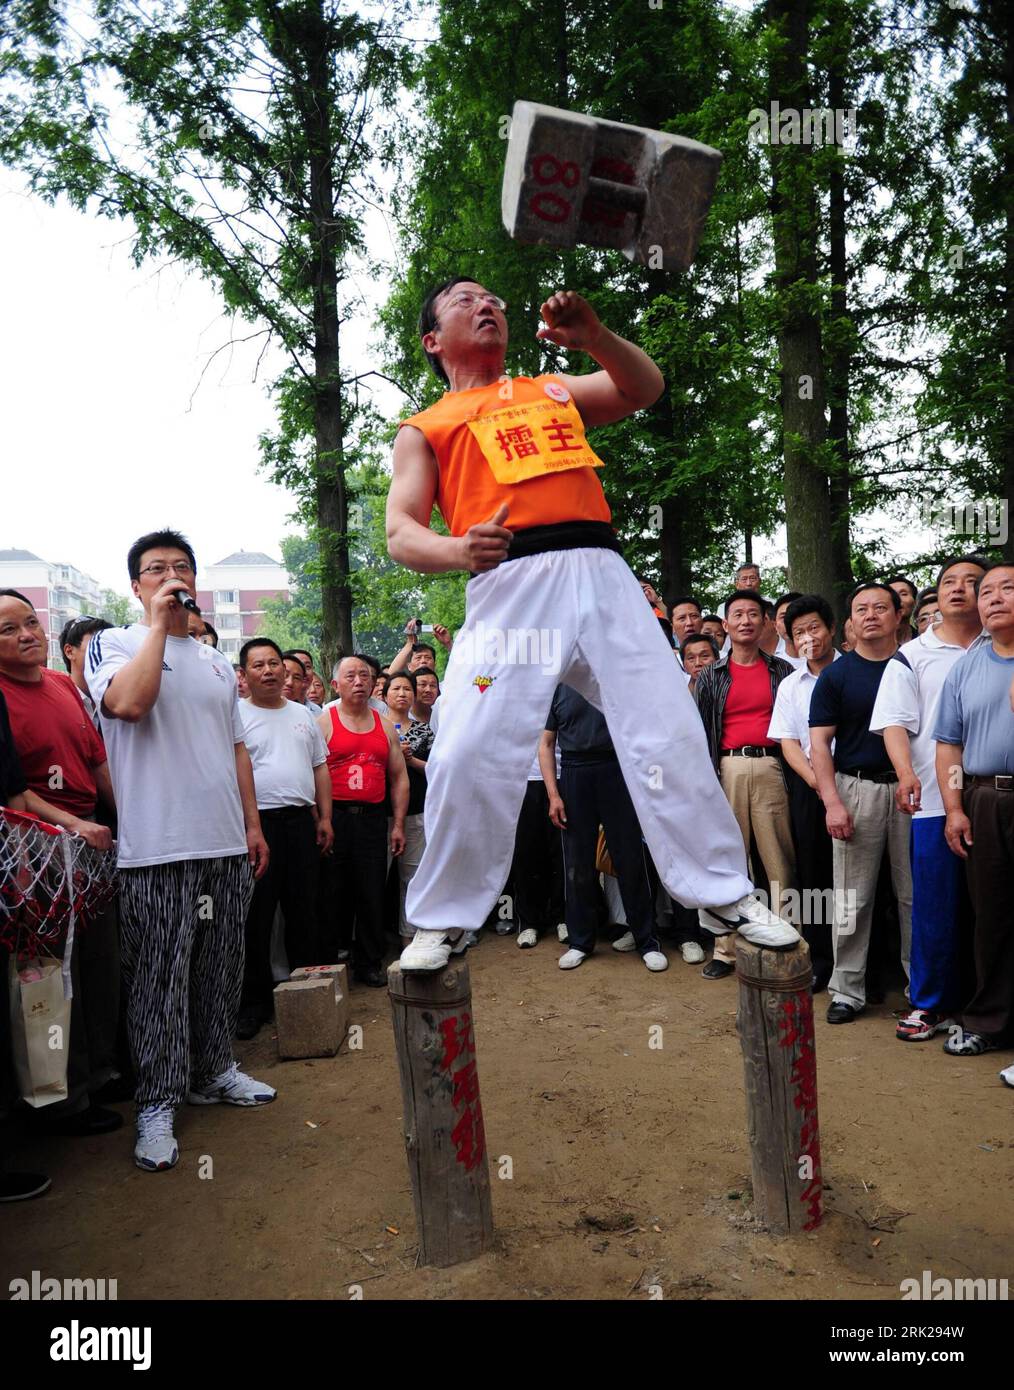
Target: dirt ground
630, 1164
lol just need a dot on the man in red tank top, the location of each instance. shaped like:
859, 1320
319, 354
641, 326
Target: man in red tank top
550, 601
364, 758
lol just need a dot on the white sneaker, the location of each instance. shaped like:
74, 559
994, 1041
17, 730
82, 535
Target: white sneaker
233, 1087
561, 933
156, 1146
431, 950
754, 922
625, 942
692, 953
1007, 1076
571, 959
529, 937
655, 960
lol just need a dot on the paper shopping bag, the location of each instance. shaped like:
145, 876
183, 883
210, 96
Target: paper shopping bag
40, 1029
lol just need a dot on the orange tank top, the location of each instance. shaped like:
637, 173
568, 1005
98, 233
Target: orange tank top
357, 762
527, 449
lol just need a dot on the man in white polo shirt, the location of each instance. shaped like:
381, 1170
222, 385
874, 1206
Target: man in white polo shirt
189, 846
809, 624
905, 713
293, 788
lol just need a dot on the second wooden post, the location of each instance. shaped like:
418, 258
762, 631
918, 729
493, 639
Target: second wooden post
445, 1140
775, 1025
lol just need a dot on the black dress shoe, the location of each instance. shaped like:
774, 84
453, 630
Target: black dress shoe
376, 978
249, 1024
717, 970
821, 980
94, 1120
842, 1013
19, 1187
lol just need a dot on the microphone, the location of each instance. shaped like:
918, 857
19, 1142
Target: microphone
185, 601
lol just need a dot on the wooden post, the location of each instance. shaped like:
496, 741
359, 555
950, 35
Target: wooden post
444, 1136
775, 1025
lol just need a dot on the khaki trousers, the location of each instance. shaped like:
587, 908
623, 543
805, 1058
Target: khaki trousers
879, 825
756, 791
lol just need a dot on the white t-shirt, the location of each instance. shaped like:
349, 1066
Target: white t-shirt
174, 771
909, 696
790, 717
285, 746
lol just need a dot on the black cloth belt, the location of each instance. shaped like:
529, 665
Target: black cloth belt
360, 808
283, 812
1003, 782
865, 776
752, 750
562, 535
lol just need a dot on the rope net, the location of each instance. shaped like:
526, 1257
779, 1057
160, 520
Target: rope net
48, 879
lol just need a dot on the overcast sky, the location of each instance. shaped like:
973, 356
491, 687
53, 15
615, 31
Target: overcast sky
103, 436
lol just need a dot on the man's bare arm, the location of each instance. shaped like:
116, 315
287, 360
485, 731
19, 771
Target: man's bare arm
629, 381
410, 541
410, 502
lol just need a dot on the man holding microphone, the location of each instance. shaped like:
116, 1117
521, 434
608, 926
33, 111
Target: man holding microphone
189, 848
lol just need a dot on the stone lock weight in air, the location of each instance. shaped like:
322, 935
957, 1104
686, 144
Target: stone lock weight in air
572, 179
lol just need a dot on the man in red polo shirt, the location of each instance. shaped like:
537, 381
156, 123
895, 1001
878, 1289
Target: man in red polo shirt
64, 764
736, 696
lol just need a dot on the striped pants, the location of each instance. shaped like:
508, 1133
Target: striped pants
181, 934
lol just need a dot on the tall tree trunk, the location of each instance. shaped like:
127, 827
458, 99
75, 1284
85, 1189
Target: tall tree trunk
1007, 426
838, 357
328, 416
796, 227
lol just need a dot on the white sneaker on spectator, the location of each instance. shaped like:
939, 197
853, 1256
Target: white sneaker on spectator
529, 937
1007, 1076
692, 953
430, 950
625, 942
571, 959
233, 1087
754, 922
561, 933
156, 1146
655, 960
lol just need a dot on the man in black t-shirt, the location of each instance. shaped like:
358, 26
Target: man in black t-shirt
857, 786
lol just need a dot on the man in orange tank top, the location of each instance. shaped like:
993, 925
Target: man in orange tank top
550, 601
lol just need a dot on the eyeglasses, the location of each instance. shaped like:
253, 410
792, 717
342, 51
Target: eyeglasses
179, 567
467, 298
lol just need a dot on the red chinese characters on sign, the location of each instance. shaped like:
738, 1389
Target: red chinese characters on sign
563, 432
795, 1024
468, 1136
520, 439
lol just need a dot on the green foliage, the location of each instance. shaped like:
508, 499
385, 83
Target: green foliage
118, 609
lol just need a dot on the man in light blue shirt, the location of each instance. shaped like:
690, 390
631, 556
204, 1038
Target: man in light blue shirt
974, 732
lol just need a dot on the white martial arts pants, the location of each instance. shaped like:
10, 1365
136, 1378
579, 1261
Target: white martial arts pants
577, 618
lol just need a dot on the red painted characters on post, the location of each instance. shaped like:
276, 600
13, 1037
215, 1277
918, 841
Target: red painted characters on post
468, 1136
795, 1024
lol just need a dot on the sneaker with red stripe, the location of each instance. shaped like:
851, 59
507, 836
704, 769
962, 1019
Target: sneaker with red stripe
921, 1025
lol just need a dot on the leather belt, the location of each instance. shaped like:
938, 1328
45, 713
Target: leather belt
751, 750
864, 776
1002, 783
